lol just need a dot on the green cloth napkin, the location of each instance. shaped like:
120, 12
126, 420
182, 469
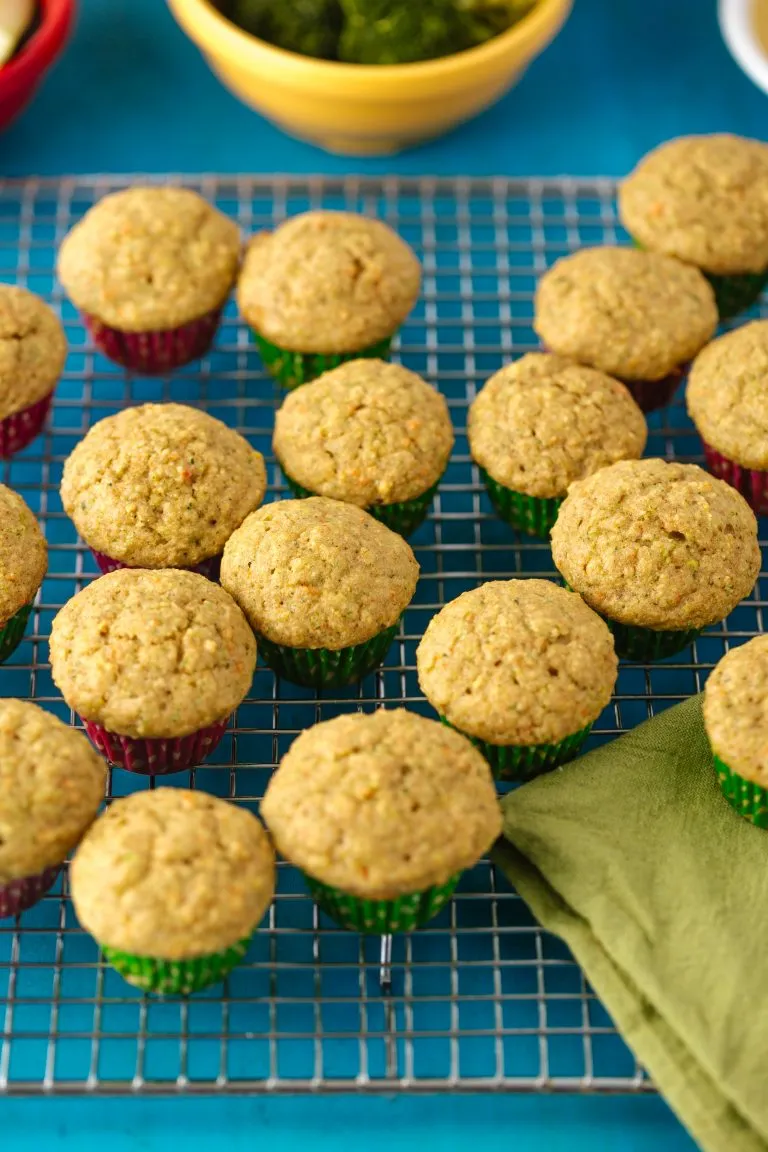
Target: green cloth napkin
660, 889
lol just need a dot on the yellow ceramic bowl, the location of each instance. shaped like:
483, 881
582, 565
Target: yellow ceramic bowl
361, 109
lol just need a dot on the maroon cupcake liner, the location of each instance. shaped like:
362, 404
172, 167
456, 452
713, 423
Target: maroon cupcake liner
21, 428
650, 395
156, 757
209, 568
154, 353
18, 895
751, 483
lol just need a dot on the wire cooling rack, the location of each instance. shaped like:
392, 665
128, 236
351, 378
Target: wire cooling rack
482, 999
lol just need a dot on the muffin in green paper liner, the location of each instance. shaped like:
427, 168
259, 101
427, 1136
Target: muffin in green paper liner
660, 550
371, 434
736, 722
172, 884
541, 423
323, 585
323, 288
704, 200
382, 813
23, 564
522, 668
12, 632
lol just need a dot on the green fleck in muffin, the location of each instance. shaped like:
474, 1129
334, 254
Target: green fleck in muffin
326, 287
736, 721
382, 813
543, 422
727, 398
323, 585
51, 786
639, 316
33, 349
660, 550
161, 486
370, 434
154, 663
150, 270
23, 564
173, 884
704, 199
521, 667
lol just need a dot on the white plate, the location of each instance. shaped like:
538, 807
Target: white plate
738, 25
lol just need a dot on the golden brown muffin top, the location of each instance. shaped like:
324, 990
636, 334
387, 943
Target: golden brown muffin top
736, 710
23, 554
727, 394
33, 349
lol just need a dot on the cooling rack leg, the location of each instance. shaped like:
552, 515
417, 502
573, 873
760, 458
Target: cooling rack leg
385, 965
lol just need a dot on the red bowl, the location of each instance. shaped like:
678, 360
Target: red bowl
20, 77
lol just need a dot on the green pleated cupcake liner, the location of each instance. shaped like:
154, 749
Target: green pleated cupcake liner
749, 800
532, 514
403, 517
734, 294
176, 977
382, 917
293, 369
645, 645
324, 667
518, 762
12, 632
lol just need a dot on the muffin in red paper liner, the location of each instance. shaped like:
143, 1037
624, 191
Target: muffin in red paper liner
172, 884
150, 269
23, 564
33, 349
161, 486
637, 316
727, 398
704, 199
51, 786
154, 662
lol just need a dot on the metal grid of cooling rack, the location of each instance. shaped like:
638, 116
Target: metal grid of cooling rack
480, 1000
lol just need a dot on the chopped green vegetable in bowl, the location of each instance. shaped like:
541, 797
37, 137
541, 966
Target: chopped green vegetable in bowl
375, 31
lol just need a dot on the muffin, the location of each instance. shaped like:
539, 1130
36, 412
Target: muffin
150, 270
161, 486
727, 398
51, 786
543, 422
704, 199
323, 585
23, 564
370, 434
639, 316
173, 884
382, 814
325, 287
33, 349
154, 663
736, 722
521, 667
660, 550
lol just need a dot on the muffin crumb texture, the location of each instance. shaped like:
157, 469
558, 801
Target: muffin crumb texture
318, 573
173, 874
635, 315
51, 785
33, 349
703, 199
150, 259
161, 485
543, 422
736, 710
517, 662
328, 282
657, 545
23, 554
152, 654
382, 805
367, 433
727, 395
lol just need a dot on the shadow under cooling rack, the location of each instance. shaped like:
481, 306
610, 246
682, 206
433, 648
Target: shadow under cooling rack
482, 999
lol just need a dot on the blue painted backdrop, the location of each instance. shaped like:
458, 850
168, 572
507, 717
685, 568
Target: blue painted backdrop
132, 94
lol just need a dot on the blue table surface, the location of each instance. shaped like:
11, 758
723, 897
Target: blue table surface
132, 94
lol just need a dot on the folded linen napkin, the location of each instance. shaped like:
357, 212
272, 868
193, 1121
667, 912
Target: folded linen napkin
660, 889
